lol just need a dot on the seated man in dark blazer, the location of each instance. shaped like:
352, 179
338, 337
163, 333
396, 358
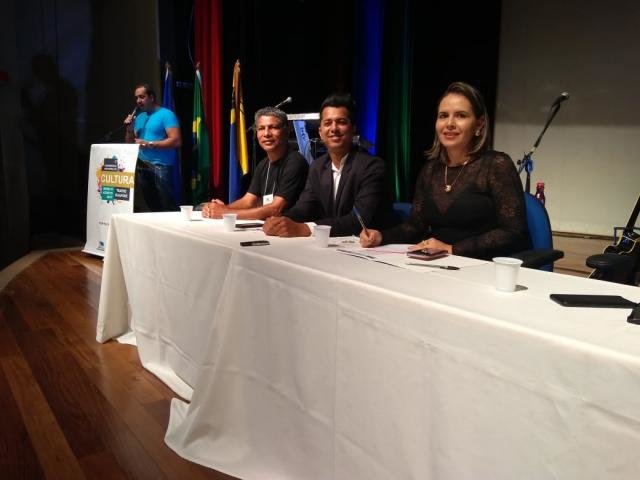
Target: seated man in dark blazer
339, 180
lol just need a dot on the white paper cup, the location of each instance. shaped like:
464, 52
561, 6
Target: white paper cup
229, 221
506, 273
321, 234
186, 210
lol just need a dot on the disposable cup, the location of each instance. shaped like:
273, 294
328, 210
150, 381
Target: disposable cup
186, 210
507, 269
229, 221
321, 234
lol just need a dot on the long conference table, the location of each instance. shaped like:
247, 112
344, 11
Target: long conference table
297, 362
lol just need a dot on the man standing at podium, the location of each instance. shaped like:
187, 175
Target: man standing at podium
157, 131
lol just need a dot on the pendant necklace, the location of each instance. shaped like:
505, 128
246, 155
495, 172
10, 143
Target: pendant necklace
449, 186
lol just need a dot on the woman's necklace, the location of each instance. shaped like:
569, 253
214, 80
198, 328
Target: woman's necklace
449, 186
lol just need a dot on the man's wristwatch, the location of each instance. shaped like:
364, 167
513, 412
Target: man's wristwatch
150, 145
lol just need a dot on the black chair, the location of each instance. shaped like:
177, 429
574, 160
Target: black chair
401, 211
542, 254
615, 267
620, 263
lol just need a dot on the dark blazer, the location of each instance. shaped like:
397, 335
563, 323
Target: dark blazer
363, 183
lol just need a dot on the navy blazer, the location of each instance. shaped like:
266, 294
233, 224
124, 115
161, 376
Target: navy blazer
362, 183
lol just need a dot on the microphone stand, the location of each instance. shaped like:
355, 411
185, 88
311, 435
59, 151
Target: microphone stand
108, 135
526, 163
252, 131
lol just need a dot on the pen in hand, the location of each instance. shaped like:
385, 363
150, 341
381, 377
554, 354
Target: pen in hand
359, 217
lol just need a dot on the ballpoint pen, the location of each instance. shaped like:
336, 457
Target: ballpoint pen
443, 267
355, 254
359, 217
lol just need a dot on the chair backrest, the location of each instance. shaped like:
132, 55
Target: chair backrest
401, 210
537, 220
538, 223
541, 255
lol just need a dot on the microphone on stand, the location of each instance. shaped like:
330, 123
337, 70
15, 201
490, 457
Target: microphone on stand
362, 142
561, 98
284, 102
552, 113
526, 163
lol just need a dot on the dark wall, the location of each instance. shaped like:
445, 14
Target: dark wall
77, 62
448, 47
123, 51
14, 229
301, 49
50, 41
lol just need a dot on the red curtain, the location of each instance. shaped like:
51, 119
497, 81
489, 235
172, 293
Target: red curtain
207, 19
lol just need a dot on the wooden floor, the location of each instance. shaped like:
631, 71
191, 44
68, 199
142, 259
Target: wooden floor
576, 250
69, 406
73, 408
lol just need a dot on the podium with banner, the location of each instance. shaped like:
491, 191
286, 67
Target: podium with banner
110, 190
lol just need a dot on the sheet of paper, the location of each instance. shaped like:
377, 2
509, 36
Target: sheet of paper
395, 254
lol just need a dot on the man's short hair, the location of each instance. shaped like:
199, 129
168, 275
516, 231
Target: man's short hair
148, 90
271, 112
338, 100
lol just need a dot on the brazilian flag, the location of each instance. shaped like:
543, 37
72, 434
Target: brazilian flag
201, 155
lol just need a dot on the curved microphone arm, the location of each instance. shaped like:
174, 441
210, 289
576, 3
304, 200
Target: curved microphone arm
526, 162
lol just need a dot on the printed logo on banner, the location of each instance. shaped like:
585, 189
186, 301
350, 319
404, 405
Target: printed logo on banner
114, 184
104, 229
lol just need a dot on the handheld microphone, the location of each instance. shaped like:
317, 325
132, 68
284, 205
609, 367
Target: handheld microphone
561, 98
284, 102
133, 115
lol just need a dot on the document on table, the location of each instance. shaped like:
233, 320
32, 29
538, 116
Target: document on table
396, 255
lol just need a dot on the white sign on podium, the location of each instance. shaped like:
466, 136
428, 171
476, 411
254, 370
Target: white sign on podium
112, 168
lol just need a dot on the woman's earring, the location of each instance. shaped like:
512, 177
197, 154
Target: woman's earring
477, 133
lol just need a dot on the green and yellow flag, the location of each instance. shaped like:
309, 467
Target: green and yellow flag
200, 177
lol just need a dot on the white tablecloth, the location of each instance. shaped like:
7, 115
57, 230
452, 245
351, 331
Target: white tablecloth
306, 363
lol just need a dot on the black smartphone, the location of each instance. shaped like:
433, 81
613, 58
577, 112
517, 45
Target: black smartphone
255, 243
596, 301
427, 254
248, 225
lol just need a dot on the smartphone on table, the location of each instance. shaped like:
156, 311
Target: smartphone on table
427, 254
595, 301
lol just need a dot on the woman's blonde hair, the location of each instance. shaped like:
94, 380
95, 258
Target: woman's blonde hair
479, 143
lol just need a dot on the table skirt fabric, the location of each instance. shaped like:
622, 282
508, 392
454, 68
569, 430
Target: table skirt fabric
304, 363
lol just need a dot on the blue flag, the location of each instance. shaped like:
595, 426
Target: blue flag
238, 151
167, 102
